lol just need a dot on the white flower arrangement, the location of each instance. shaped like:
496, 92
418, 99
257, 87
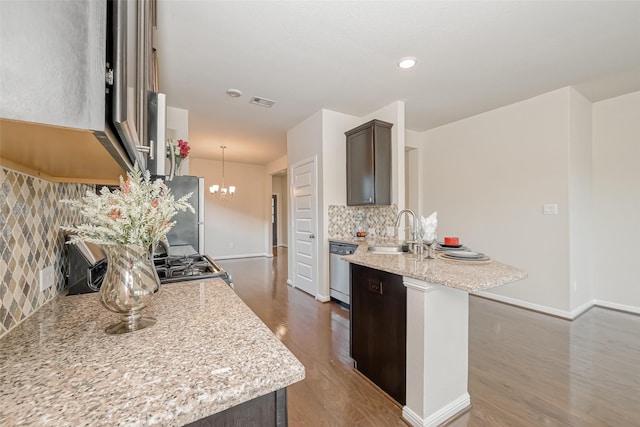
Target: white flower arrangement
139, 212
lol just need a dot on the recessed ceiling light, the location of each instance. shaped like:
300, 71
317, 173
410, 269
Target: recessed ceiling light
407, 62
234, 93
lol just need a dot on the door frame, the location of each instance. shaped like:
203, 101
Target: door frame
291, 231
275, 220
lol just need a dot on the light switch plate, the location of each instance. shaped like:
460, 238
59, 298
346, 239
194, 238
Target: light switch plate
391, 231
46, 278
550, 209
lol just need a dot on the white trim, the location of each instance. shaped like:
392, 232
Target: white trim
520, 303
440, 416
418, 285
323, 298
616, 306
290, 282
583, 308
411, 417
569, 315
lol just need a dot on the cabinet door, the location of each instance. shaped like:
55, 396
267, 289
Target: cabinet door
360, 168
378, 328
52, 69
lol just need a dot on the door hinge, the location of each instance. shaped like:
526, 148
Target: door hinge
109, 76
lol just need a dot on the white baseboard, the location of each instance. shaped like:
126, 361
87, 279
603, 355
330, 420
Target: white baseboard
323, 298
569, 315
616, 306
579, 310
520, 303
440, 416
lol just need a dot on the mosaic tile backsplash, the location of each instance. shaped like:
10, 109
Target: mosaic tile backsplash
30, 216
343, 220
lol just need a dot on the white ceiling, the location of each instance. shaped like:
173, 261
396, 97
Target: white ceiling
341, 55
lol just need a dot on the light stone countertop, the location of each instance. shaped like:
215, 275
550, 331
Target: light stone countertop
464, 275
207, 352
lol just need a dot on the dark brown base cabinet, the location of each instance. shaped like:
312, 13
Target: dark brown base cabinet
378, 314
267, 410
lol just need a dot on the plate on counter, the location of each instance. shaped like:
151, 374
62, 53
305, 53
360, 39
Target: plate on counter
464, 256
442, 247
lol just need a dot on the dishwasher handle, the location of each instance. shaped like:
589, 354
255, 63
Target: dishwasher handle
342, 248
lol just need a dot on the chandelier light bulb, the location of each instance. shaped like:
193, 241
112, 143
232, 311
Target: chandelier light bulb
221, 191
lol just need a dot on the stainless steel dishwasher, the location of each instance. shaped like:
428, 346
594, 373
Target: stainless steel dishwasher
339, 270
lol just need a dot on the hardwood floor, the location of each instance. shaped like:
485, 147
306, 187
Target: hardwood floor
526, 368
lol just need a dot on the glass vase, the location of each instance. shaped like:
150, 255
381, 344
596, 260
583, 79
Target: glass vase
128, 286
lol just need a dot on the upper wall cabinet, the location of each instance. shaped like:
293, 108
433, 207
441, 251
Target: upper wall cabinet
75, 83
53, 62
369, 164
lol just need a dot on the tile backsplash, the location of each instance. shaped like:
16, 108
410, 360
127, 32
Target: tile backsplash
30, 216
344, 219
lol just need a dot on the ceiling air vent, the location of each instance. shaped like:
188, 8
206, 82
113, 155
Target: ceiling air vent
263, 102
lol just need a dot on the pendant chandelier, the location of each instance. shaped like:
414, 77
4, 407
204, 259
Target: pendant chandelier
222, 192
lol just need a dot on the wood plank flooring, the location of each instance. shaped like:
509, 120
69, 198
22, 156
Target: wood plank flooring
526, 368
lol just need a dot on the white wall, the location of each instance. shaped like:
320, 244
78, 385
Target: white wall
413, 172
272, 168
616, 195
235, 227
178, 128
580, 203
334, 177
488, 177
279, 188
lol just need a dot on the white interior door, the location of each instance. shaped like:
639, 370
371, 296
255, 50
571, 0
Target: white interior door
305, 261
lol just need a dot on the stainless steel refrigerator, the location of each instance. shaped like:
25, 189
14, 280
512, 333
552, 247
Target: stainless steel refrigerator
189, 227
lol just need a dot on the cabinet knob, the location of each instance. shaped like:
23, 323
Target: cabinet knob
375, 287
311, 236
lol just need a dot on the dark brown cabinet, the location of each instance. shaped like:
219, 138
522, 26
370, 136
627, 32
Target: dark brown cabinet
369, 164
263, 411
378, 314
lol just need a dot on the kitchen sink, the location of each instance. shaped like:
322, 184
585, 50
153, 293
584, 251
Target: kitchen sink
386, 249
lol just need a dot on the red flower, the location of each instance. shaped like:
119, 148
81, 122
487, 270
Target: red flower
115, 214
184, 148
126, 186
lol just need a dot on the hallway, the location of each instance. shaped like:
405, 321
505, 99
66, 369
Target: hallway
526, 368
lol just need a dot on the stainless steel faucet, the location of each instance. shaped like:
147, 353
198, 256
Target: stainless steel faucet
414, 227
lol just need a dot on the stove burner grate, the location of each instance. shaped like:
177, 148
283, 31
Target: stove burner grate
192, 267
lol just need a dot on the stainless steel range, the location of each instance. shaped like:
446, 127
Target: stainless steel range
178, 268
178, 259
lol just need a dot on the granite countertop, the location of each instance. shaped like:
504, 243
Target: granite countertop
464, 275
207, 352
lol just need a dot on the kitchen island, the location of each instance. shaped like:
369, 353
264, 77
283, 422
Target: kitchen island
207, 354
436, 312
